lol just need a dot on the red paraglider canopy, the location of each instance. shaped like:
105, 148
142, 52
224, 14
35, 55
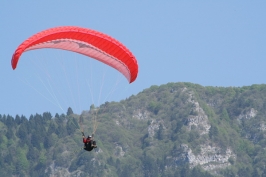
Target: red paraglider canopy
84, 41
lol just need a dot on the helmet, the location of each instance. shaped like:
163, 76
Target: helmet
89, 136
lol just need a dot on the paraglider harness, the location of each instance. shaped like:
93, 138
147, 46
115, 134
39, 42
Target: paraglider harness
89, 143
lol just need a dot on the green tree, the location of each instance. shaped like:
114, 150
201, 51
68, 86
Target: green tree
155, 107
9, 133
213, 131
225, 115
22, 132
69, 111
47, 116
23, 163
36, 139
71, 126
18, 120
160, 133
33, 154
10, 122
61, 131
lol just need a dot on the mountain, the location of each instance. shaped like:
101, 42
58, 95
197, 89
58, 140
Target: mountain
172, 130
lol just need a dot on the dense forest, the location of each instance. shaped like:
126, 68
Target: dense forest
172, 130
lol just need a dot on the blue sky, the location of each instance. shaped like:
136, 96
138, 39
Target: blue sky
211, 43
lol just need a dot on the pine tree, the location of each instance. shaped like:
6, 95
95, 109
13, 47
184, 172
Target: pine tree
69, 111
10, 122
22, 132
18, 120
9, 133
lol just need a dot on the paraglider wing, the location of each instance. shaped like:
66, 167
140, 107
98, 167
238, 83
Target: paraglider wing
84, 41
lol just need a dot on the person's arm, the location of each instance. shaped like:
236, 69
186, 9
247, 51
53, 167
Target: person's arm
83, 136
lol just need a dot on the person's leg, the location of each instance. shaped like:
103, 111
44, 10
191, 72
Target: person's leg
94, 144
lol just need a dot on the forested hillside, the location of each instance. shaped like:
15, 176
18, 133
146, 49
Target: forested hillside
172, 130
